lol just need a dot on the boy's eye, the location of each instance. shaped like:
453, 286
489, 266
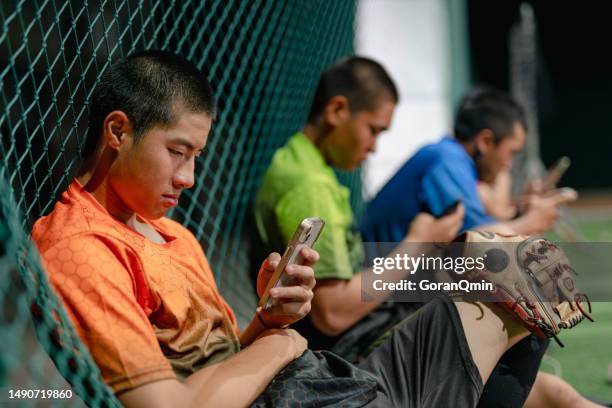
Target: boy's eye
175, 152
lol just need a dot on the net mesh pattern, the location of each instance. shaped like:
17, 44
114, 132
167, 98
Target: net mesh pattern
263, 59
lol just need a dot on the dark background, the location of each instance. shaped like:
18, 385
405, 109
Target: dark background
574, 78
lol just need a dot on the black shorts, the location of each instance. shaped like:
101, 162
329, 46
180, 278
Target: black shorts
508, 385
424, 362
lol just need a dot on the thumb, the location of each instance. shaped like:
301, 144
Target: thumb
271, 261
565, 195
454, 217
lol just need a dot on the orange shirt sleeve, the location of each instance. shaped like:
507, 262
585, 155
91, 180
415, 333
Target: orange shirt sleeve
101, 285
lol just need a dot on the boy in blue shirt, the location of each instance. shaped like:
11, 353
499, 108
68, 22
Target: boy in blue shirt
489, 129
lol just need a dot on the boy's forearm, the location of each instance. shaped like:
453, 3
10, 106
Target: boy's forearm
237, 381
234, 382
338, 305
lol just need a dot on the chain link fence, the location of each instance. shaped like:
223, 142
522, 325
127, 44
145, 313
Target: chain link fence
263, 59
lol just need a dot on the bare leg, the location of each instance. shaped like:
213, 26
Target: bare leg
490, 332
552, 391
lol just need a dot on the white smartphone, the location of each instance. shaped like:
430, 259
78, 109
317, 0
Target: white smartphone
305, 236
551, 179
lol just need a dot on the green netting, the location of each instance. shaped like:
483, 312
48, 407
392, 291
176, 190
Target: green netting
29, 310
263, 59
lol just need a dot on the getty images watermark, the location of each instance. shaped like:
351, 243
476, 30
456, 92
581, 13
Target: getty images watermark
477, 271
409, 265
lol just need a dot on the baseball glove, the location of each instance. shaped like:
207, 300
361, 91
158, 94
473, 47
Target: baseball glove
533, 280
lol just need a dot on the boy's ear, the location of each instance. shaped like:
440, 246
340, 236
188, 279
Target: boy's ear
337, 110
485, 141
116, 127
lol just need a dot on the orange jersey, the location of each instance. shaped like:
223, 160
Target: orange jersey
146, 311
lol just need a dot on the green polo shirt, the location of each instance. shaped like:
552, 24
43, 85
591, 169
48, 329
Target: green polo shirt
299, 184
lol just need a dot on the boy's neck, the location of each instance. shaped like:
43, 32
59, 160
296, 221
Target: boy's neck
317, 135
95, 181
313, 133
469, 147
109, 200
104, 194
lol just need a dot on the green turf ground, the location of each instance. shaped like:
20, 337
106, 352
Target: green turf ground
588, 348
583, 362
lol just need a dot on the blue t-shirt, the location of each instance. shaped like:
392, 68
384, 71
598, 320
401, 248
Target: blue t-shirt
435, 177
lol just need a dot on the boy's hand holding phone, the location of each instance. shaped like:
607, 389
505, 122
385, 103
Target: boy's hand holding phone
550, 180
542, 210
290, 303
285, 283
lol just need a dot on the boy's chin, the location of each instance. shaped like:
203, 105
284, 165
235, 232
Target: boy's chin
153, 215
350, 166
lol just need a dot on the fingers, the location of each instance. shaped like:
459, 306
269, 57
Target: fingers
286, 313
302, 275
292, 293
290, 304
456, 216
265, 272
451, 224
420, 227
271, 262
534, 186
565, 195
309, 256
457, 219
460, 211
423, 218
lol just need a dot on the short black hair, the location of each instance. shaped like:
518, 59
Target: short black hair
149, 87
364, 82
485, 107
